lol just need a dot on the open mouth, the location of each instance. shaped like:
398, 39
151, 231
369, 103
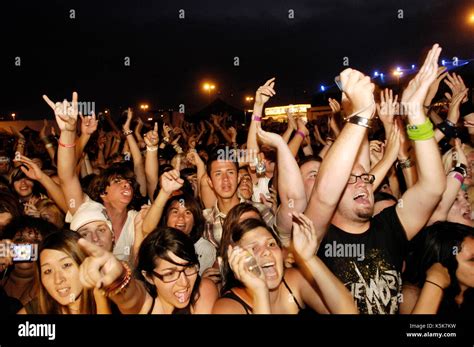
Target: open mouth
64, 292
467, 215
361, 198
182, 296
126, 193
269, 269
180, 226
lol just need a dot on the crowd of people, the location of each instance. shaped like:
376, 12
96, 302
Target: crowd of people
369, 211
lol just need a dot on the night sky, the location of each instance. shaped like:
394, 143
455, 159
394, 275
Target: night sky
170, 57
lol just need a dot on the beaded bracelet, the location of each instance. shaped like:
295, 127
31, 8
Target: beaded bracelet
122, 282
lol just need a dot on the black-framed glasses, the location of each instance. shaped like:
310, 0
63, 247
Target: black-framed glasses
366, 178
173, 276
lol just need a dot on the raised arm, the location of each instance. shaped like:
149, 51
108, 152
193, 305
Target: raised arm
333, 292
292, 196
32, 171
170, 181
102, 270
419, 201
88, 127
66, 117
263, 94
453, 184
138, 167
341, 157
381, 169
151, 160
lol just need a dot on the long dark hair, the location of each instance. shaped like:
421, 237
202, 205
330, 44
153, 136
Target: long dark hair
63, 241
443, 241
156, 246
191, 204
236, 234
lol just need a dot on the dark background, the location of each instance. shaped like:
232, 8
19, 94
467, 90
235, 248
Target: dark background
172, 57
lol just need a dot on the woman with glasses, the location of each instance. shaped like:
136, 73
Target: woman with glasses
167, 273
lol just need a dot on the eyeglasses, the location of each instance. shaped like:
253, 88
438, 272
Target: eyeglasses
174, 275
366, 178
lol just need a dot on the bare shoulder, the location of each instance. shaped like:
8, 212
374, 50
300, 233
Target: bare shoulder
208, 295
228, 306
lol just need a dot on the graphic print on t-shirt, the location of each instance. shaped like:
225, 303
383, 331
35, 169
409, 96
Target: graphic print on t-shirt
374, 284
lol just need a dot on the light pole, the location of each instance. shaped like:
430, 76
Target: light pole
208, 87
398, 73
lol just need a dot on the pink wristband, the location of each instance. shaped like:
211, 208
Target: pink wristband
299, 132
257, 118
66, 145
458, 176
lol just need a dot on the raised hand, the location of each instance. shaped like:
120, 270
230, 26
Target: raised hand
89, 124
433, 89
455, 102
376, 150
238, 258
194, 158
335, 106
302, 127
291, 120
393, 143
359, 91
151, 138
100, 269
29, 168
232, 133
270, 202
265, 92
65, 112
42, 132
305, 241
166, 130
126, 125
457, 86
388, 106
415, 93
171, 181
270, 139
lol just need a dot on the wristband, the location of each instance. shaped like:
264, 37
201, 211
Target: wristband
405, 164
66, 145
457, 176
437, 285
129, 132
257, 118
448, 129
363, 122
302, 134
421, 132
152, 148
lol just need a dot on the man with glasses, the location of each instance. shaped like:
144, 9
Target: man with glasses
342, 202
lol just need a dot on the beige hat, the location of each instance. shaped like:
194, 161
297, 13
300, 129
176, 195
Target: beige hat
89, 211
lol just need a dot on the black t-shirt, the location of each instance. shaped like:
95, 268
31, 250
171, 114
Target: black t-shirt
369, 264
